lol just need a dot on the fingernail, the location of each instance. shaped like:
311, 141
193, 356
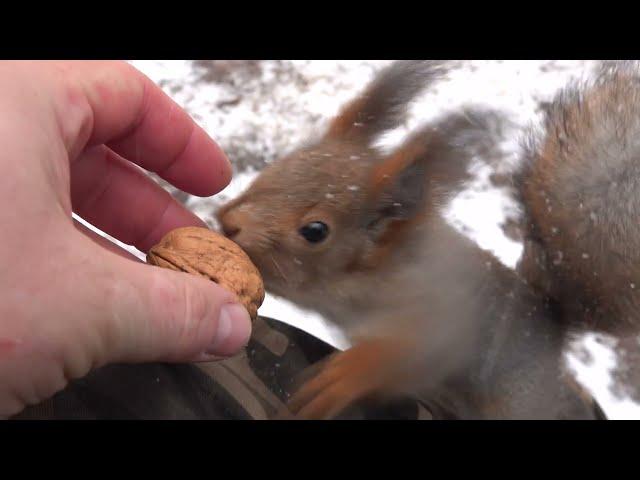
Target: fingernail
234, 330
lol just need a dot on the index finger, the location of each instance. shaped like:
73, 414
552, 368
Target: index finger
137, 120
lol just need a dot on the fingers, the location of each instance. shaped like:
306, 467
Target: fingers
119, 199
148, 314
137, 120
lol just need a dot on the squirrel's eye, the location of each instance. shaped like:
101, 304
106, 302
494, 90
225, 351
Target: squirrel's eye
315, 232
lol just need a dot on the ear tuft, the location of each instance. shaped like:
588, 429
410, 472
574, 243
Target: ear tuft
383, 104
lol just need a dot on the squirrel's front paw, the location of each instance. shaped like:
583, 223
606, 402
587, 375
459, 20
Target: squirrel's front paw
348, 377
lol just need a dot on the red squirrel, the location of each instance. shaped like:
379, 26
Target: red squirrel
356, 234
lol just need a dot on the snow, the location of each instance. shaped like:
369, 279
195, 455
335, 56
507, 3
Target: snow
258, 111
596, 376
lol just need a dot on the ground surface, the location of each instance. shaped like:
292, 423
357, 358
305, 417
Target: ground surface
259, 110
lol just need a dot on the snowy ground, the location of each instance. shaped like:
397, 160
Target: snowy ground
258, 110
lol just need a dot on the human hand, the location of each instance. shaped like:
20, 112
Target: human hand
70, 301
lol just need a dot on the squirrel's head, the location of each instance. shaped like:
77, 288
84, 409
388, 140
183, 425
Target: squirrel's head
337, 206
327, 210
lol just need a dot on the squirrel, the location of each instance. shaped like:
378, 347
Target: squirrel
357, 235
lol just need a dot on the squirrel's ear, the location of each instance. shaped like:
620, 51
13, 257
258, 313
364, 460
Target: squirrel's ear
399, 184
397, 198
382, 106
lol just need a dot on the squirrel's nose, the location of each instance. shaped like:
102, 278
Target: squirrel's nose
230, 221
230, 230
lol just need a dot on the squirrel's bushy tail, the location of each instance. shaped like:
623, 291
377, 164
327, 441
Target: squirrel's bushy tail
580, 187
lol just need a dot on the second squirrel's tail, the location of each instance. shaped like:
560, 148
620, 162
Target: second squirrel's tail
580, 187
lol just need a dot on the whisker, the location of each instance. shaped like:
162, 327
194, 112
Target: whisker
279, 269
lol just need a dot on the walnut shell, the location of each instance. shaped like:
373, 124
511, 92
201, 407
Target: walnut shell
203, 252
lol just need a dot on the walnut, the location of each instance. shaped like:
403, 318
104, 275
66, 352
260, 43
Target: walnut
202, 252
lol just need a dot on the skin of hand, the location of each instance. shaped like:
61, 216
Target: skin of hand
75, 137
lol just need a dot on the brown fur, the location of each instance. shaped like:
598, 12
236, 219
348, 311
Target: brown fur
580, 189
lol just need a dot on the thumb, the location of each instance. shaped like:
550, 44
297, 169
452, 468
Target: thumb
162, 315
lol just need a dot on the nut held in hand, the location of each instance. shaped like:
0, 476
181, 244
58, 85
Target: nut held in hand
203, 252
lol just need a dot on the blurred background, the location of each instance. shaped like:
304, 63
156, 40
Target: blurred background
260, 110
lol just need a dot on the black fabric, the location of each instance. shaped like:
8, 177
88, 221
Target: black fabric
252, 385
